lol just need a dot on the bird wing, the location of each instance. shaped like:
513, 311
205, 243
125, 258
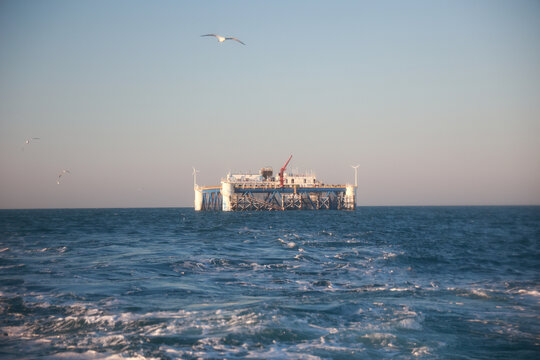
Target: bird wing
35, 138
214, 35
235, 39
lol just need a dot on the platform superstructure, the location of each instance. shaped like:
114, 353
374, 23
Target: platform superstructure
265, 191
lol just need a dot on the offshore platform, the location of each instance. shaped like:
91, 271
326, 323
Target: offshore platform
266, 192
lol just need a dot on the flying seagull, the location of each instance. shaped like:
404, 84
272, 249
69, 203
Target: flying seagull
60, 175
222, 38
28, 140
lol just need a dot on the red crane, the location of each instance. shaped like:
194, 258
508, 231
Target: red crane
283, 170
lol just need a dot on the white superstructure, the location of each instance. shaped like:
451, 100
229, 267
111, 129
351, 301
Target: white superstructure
264, 177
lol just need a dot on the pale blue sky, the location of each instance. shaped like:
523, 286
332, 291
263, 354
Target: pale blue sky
438, 101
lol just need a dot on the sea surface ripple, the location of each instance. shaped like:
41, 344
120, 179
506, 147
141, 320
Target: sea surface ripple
378, 282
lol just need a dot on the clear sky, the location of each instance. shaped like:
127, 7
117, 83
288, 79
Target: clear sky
437, 101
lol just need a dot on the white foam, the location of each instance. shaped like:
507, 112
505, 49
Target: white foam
11, 266
379, 336
399, 289
327, 330
111, 340
411, 324
419, 351
535, 293
180, 314
216, 343
96, 319
91, 355
408, 319
172, 352
321, 344
43, 341
485, 322
276, 353
406, 311
480, 293
374, 288
289, 244
17, 331
471, 292
257, 267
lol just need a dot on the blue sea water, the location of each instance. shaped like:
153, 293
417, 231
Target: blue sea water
379, 282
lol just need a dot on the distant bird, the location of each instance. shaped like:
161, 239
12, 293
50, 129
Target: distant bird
60, 175
222, 38
30, 139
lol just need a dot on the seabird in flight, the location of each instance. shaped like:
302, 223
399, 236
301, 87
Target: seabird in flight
60, 175
223, 38
28, 140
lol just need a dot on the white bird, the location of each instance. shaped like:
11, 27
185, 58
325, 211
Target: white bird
60, 175
223, 38
28, 140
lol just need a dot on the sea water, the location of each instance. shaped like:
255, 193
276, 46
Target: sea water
378, 282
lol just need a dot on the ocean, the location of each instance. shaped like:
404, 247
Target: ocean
170, 283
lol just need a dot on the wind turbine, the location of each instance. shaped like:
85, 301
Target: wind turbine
195, 171
355, 167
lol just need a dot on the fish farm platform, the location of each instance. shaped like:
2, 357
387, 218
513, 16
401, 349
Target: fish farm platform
263, 192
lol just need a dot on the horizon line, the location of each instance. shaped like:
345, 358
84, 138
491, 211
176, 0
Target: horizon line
191, 207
